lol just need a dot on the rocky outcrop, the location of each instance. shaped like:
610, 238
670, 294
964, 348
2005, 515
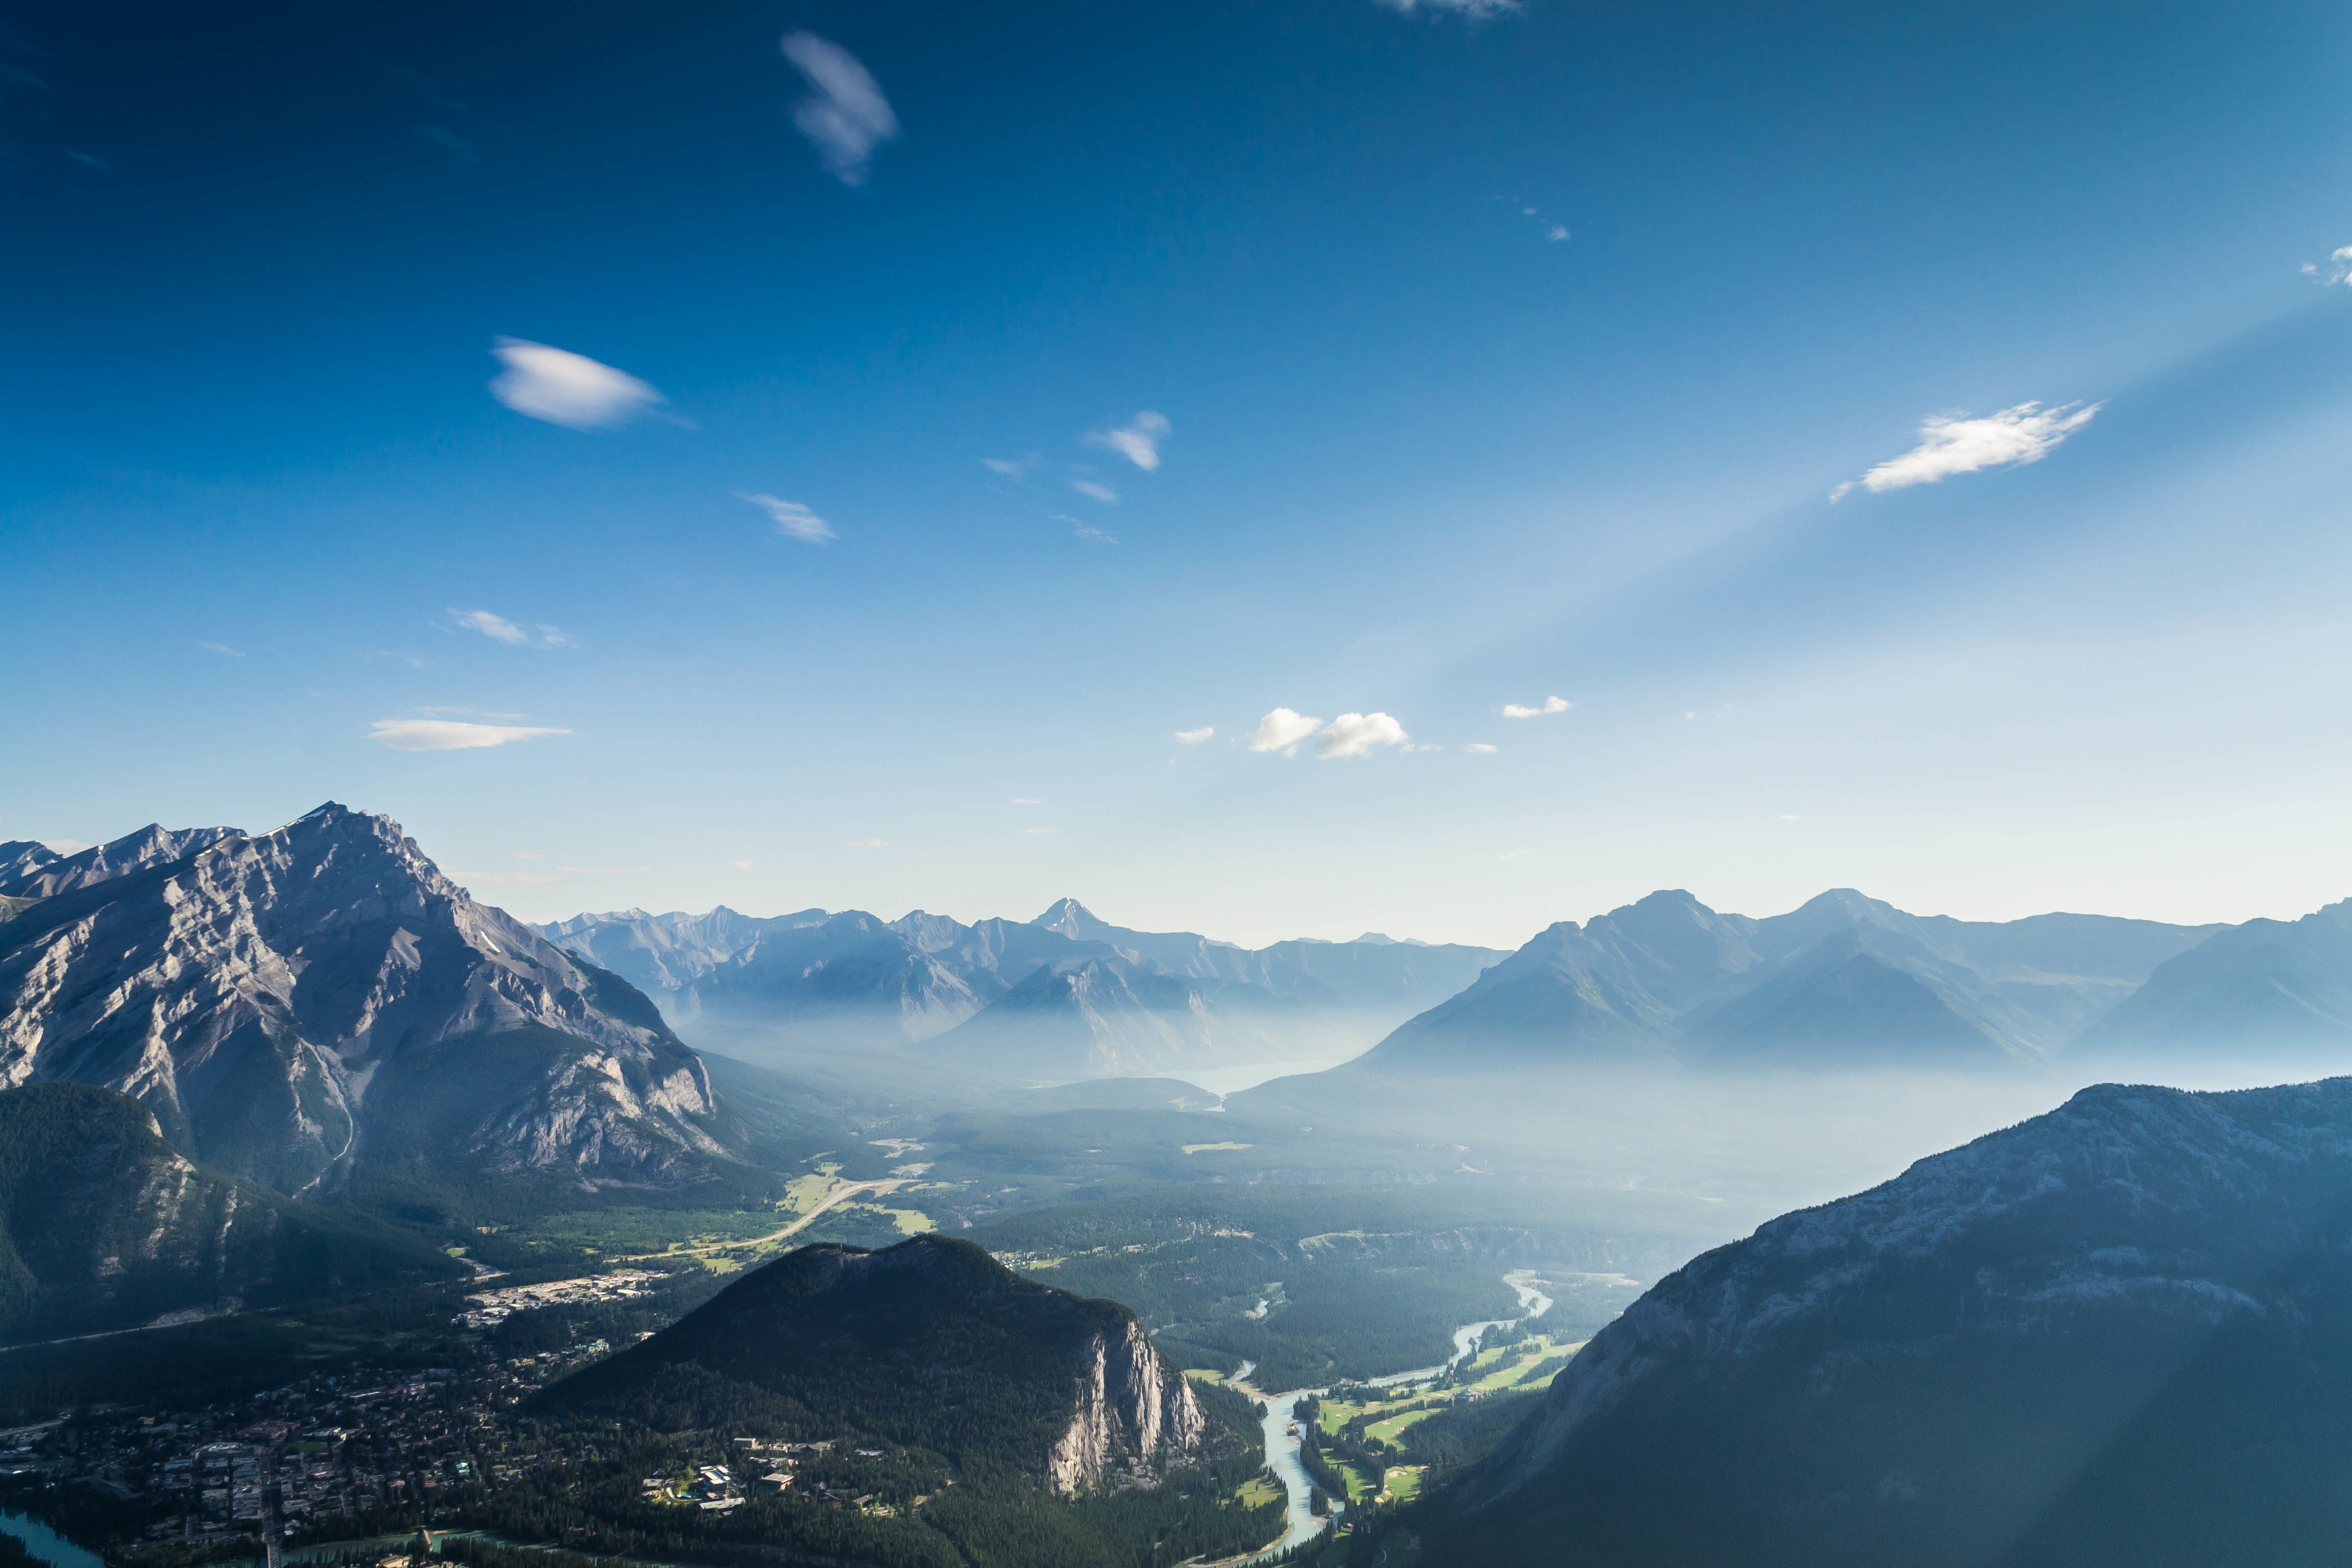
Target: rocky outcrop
289, 1003
24, 877
1135, 1417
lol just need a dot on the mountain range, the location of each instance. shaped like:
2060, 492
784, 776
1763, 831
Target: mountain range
1847, 981
321, 998
1066, 995
2120, 1332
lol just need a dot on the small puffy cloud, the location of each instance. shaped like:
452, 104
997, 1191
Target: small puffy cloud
2337, 270
1097, 488
1791, 816
845, 116
451, 734
556, 636
1358, 735
1550, 705
1194, 737
1282, 729
221, 648
741, 865
1481, 747
792, 519
1557, 232
867, 844
1138, 440
565, 389
1956, 444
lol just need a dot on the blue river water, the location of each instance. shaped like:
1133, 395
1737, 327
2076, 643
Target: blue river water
46, 1544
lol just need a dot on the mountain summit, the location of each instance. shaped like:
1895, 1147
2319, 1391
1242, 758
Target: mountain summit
321, 997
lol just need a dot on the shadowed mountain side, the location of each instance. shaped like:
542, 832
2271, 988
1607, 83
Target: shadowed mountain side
2278, 989
1118, 1018
104, 1226
933, 1343
2120, 1332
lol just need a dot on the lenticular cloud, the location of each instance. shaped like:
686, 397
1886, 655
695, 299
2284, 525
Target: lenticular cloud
565, 389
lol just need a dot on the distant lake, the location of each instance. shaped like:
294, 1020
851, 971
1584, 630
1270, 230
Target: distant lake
46, 1544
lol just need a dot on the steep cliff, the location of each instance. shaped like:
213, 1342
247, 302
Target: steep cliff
1134, 1412
292, 1003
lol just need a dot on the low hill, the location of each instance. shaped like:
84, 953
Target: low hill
103, 1225
2120, 1334
932, 1344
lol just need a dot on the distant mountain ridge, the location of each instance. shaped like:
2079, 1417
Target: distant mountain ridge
322, 997
987, 993
1843, 980
2120, 1332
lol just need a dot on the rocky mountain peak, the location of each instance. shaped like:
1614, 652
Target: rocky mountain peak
292, 1001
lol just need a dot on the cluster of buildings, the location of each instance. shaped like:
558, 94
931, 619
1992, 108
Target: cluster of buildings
488, 1309
343, 1448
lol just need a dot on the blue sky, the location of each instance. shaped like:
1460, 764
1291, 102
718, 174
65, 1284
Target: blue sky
1406, 363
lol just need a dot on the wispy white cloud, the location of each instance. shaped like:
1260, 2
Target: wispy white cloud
1097, 488
1791, 816
600, 870
1550, 705
792, 519
565, 389
221, 648
452, 734
1014, 468
509, 878
1138, 440
1955, 443
1093, 535
1194, 737
867, 844
1026, 800
1481, 747
1358, 735
497, 628
68, 846
1557, 232
845, 116
494, 627
741, 865
1454, 7
1282, 729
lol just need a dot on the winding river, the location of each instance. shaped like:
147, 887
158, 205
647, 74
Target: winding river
1299, 1523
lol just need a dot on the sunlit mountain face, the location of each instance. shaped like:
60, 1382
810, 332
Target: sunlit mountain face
1383, 784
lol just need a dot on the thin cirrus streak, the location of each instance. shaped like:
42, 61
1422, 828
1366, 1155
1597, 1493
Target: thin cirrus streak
452, 734
845, 116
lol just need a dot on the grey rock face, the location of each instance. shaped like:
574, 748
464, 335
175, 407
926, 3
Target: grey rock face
289, 1003
1135, 1417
